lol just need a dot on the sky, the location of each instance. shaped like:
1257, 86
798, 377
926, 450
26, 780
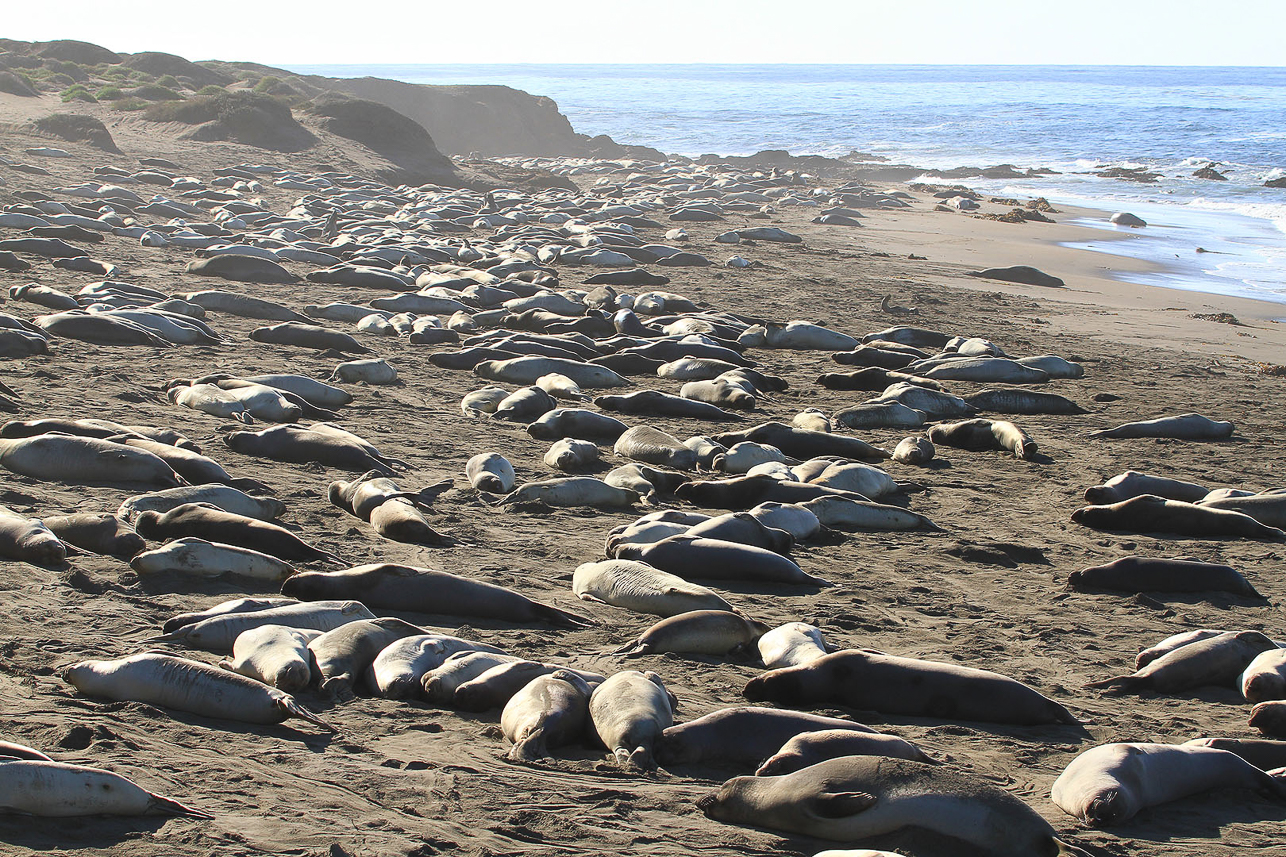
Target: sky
1000, 32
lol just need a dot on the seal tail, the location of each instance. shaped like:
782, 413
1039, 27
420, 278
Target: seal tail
177, 636
294, 709
529, 749
1066, 849
1118, 685
157, 805
561, 618
632, 649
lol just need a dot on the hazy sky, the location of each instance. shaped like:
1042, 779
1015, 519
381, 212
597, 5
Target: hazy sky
280, 32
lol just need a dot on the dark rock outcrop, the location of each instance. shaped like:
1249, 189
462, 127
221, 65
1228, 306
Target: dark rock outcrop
77, 128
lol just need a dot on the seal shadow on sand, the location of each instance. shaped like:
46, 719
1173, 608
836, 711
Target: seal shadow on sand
26, 831
1202, 816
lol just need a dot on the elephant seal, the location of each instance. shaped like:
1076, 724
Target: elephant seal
529, 369
910, 686
395, 514
211, 523
490, 471
275, 655
309, 336
1218, 660
698, 632
653, 446
1014, 401
1183, 427
743, 528
341, 656
982, 370
1111, 783
227, 498
865, 479
857, 797
550, 711
1149, 574
561, 387
246, 269
572, 491
981, 434
578, 423
423, 590
218, 632
747, 492
1169, 644
719, 392
1265, 677
1131, 483
742, 737
186, 685
709, 452
648, 482
10, 750
201, 558
887, 414
1148, 513
641, 588
524, 405
29, 540
803, 444
791, 645
495, 687
914, 450
714, 559
195, 468
629, 711
48, 789
570, 454
375, 372
812, 419
1269, 717
243, 305
809, 748
438, 685
235, 605
398, 671
316, 443
484, 400
81, 460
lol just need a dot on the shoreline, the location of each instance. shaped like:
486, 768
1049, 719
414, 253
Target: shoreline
1124, 309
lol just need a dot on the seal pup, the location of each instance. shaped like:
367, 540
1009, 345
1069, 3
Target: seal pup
235, 605
857, 797
495, 687
570, 454
275, 655
490, 471
1112, 783
639, 587
1132, 483
218, 632
979, 434
1268, 508
1265, 754
1169, 644
340, 657
629, 711
395, 514
697, 632
482, 401
1148, 513
1152, 574
225, 497
49, 789
791, 645
80, 460
715, 559
98, 533
742, 737
1265, 678
317, 443
653, 446
29, 540
550, 711
201, 558
893, 685
1269, 717
809, 748
1183, 427
803, 444
439, 684
1218, 660
414, 589
211, 523
398, 670
572, 491
914, 450
185, 685
309, 336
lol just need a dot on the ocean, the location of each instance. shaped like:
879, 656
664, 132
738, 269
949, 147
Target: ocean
1075, 120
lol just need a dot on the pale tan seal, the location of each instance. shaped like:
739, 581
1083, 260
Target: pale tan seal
1218, 660
1111, 783
550, 711
857, 797
809, 748
49, 789
698, 632
629, 711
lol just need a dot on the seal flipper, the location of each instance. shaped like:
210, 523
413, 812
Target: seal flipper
841, 804
157, 805
1118, 685
292, 708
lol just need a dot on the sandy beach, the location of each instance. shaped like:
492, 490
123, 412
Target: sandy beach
988, 590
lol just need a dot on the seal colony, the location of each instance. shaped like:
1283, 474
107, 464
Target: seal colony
491, 593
